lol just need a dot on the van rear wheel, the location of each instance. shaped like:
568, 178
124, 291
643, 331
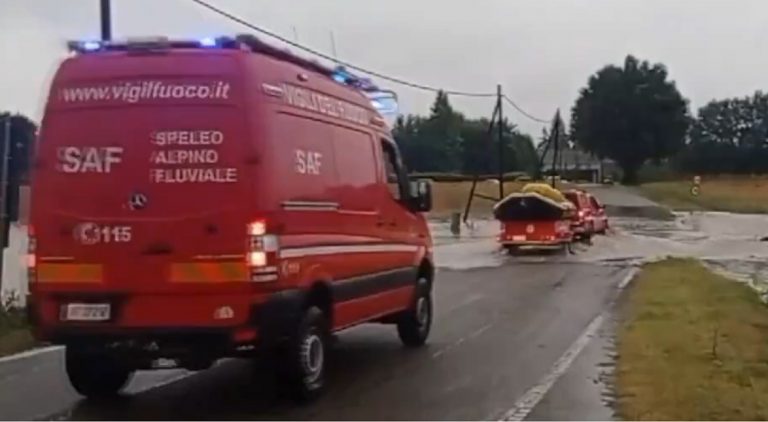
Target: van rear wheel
304, 358
95, 375
415, 324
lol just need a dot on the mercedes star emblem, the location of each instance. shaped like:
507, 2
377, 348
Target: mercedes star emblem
138, 201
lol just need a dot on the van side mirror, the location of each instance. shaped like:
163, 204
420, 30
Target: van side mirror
421, 196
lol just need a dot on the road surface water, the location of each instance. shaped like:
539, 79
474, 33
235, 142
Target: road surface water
514, 338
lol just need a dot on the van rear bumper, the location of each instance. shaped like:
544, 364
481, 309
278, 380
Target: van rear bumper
257, 320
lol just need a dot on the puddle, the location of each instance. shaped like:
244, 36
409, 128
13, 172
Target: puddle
754, 273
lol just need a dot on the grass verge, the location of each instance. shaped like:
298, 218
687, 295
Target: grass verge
742, 195
15, 335
693, 346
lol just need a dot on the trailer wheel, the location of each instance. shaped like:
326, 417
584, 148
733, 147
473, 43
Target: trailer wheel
96, 375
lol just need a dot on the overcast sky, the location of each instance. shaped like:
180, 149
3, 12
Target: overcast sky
540, 51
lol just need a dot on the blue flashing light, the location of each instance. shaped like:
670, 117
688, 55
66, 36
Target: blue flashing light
208, 42
339, 78
90, 45
385, 103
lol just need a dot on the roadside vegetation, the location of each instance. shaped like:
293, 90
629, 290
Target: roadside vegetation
692, 346
732, 194
15, 335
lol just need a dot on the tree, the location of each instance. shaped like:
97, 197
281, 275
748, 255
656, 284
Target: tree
433, 143
23, 132
631, 115
442, 132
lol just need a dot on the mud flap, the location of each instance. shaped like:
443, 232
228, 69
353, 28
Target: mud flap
278, 318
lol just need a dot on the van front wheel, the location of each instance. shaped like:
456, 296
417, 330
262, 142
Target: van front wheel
95, 375
414, 324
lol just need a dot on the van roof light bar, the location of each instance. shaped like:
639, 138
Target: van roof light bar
149, 44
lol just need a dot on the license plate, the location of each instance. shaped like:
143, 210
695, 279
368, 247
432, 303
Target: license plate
518, 238
86, 312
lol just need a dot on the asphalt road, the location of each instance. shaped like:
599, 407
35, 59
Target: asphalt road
506, 344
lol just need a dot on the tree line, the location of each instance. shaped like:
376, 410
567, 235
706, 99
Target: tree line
446, 141
729, 136
633, 114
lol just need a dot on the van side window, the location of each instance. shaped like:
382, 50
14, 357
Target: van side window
393, 170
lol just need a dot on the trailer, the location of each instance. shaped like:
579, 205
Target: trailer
535, 219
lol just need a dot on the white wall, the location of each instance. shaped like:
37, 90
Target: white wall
14, 277
14, 265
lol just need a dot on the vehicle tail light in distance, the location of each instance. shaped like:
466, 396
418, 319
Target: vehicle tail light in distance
262, 252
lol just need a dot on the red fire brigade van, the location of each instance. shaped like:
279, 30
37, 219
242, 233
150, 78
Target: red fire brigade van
195, 200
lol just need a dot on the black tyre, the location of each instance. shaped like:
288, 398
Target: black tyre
96, 375
512, 250
415, 324
304, 361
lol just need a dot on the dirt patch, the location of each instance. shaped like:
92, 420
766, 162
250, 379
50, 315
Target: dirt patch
449, 197
692, 345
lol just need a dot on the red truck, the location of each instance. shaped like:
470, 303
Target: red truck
582, 222
193, 200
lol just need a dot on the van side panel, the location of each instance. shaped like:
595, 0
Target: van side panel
327, 193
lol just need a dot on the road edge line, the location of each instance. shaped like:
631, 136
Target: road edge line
29, 353
528, 401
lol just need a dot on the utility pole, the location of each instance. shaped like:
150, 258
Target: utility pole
556, 139
106, 20
4, 191
501, 141
476, 178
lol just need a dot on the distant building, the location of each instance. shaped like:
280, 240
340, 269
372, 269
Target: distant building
575, 164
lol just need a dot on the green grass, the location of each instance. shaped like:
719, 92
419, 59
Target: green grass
736, 194
693, 346
15, 335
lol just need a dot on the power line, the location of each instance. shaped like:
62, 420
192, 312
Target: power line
523, 112
328, 57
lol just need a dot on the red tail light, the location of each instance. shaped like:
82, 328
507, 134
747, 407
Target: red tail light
262, 252
31, 257
257, 228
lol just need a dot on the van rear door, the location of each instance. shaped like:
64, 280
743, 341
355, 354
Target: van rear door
140, 173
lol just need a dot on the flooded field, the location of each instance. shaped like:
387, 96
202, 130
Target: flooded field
727, 243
